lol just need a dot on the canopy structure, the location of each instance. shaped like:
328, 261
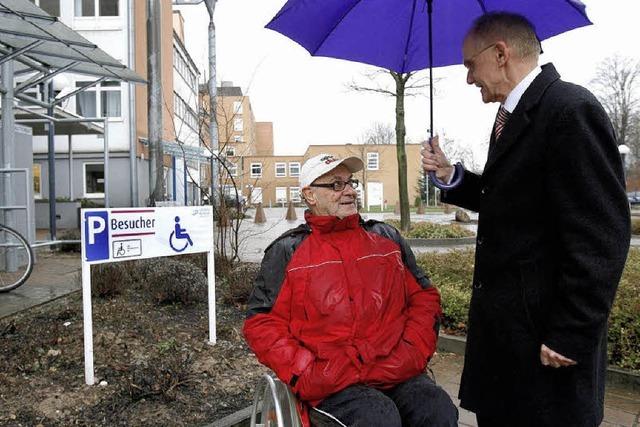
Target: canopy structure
34, 48
41, 42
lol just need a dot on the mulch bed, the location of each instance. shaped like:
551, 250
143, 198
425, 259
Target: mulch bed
154, 364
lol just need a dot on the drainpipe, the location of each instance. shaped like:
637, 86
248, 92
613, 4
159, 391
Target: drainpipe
133, 134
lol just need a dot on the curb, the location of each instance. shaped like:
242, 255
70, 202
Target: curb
441, 242
615, 376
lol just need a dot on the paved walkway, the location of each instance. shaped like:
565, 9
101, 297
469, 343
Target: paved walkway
622, 406
53, 276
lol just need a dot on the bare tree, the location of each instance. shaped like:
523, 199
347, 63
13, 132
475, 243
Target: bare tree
616, 84
400, 89
463, 153
378, 134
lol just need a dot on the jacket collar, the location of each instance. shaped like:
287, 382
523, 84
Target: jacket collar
328, 224
520, 119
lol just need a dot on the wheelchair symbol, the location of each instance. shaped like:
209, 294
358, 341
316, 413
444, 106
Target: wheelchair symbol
179, 233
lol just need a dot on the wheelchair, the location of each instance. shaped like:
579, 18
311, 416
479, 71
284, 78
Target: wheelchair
275, 405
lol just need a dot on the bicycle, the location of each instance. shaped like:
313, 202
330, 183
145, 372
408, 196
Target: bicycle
16, 259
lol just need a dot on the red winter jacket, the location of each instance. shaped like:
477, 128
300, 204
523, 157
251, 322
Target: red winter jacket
342, 302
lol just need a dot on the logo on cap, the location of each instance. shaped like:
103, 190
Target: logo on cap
328, 159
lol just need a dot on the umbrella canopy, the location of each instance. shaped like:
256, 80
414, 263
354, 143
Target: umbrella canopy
393, 34
410, 35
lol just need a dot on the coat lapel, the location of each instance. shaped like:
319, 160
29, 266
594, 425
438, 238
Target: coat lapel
520, 118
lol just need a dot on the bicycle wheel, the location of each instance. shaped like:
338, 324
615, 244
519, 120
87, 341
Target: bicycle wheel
16, 259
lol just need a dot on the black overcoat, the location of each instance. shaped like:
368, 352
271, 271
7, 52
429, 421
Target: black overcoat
553, 236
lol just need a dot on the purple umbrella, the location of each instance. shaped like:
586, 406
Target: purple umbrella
399, 34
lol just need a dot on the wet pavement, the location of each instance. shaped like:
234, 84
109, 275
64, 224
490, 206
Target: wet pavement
53, 277
622, 406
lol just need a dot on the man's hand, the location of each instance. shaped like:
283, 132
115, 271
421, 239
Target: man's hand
434, 160
549, 357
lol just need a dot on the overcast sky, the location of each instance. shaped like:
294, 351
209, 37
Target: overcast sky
306, 99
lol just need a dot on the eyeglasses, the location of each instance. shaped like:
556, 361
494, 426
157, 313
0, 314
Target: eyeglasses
338, 185
470, 62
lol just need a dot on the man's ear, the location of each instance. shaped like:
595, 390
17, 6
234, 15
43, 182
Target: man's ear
309, 196
503, 52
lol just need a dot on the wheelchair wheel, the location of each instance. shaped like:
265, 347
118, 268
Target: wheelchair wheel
274, 405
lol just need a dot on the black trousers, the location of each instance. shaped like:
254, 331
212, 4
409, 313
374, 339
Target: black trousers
415, 403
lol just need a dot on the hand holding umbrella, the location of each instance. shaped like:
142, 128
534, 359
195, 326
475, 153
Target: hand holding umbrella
436, 163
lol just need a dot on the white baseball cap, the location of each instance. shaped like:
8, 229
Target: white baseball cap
318, 165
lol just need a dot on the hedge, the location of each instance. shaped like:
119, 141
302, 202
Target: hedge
430, 230
452, 272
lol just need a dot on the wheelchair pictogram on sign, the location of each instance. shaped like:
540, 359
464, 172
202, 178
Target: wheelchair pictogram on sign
179, 233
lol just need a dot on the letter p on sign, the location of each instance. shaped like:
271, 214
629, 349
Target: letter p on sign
96, 235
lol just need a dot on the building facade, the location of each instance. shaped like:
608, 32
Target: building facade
119, 27
259, 176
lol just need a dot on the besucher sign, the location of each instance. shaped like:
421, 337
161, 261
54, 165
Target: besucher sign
123, 234
111, 235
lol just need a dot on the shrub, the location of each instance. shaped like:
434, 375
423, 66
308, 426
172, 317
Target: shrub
161, 377
624, 321
173, 281
236, 286
108, 280
224, 265
89, 203
451, 272
70, 235
430, 230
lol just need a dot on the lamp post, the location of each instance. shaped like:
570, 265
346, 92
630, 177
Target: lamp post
624, 150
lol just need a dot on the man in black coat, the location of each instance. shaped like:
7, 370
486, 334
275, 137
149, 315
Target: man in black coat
553, 236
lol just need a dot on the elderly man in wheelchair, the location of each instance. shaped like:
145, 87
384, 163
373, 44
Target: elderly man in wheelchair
343, 315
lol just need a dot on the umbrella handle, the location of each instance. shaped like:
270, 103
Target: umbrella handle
458, 175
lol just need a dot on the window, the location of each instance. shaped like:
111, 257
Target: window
294, 194
233, 168
230, 151
110, 101
97, 8
93, 179
256, 195
281, 170
184, 112
180, 64
237, 124
372, 161
237, 107
294, 169
256, 170
36, 169
281, 194
103, 100
52, 7
237, 138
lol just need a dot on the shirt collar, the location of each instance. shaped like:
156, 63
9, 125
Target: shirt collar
514, 96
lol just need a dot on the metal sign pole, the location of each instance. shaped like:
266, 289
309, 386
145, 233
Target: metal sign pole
87, 322
211, 286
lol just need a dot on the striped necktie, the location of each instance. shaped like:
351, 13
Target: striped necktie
501, 120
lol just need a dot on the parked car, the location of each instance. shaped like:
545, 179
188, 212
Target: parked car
633, 197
